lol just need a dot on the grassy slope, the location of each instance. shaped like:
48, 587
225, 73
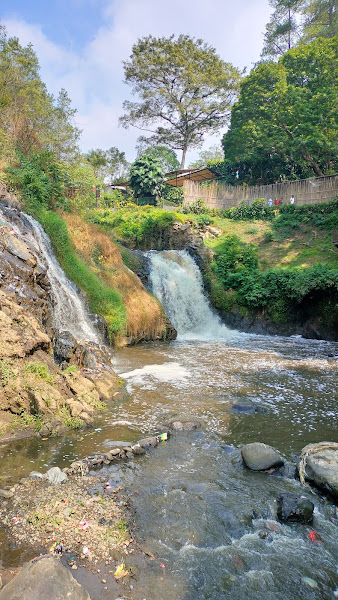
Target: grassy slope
303, 247
144, 314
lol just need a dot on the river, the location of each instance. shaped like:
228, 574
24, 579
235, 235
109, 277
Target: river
208, 520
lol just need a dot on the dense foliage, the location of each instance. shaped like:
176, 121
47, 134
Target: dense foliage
134, 224
147, 179
237, 281
284, 123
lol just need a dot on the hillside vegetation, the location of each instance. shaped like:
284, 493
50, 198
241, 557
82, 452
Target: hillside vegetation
279, 264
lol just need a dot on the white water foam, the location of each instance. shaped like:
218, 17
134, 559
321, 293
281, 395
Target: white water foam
177, 283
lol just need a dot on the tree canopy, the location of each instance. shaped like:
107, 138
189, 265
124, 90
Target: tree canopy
284, 123
283, 30
185, 90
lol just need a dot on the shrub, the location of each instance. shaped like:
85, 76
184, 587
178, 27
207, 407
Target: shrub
147, 179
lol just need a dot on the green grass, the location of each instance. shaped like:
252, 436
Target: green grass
40, 370
6, 372
103, 300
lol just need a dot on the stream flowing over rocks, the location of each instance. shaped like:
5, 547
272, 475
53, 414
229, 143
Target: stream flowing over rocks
215, 453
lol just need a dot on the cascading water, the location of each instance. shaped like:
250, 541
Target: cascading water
176, 281
69, 311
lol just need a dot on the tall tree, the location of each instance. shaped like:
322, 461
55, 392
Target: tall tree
24, 101
98, 160
117, 164
320, 20
63, 133
282, 31
285, 119
185, 90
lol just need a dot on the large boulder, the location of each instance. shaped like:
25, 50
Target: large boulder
319, 465
259, 457
294, 509
41, 579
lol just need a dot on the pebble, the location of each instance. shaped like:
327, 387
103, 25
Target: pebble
311, 583
104, 580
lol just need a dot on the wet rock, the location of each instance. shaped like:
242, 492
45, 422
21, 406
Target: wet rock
184, 425
36, 475
247, 406
149, 442
138, 450
55, 476
294, 509
259, 457
321, 466
41, 579
64, 347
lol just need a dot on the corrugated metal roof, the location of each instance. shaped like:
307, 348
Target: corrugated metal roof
198, 175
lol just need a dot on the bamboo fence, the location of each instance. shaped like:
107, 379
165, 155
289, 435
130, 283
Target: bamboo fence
305, 191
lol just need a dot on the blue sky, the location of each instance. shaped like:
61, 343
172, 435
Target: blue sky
81, 45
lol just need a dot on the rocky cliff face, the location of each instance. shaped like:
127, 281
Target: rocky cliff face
36, 395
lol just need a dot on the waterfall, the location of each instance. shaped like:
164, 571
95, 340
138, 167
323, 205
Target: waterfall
176, 281
69, 310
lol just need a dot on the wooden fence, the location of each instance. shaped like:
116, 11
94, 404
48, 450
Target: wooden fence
305, 191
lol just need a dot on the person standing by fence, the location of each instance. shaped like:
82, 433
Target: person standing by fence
292, 199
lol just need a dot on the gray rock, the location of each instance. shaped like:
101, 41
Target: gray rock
55, 476
259, 457
294, 509
149, 442
184, 425
247, 406
138, 450
64, 346
322, 469
36, 475
43, 579
6, 493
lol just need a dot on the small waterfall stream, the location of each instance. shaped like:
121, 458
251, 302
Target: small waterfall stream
177, 283
69, 311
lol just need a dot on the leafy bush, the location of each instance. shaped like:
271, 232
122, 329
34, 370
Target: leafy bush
39, 178
147, 179
236, 280
135, 225
257, 211
204, 219
172, 194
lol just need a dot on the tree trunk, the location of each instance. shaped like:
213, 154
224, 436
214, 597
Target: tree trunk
184, 152
313, 163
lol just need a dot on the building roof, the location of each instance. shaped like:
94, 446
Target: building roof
177, 178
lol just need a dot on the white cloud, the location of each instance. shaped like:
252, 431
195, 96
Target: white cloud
93, 76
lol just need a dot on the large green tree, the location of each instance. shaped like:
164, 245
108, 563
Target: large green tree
284, 123
283, 30
185, 90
